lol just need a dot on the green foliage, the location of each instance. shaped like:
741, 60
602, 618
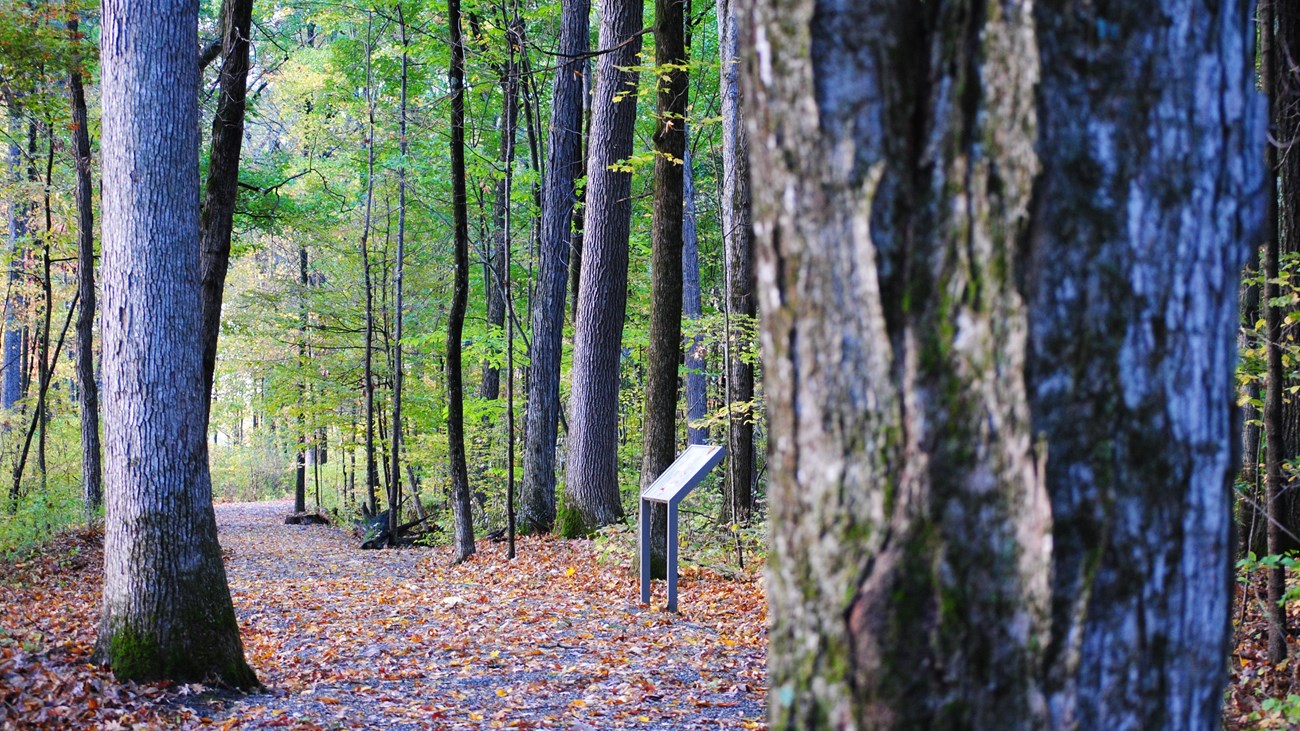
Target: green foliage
260, 470
1252, 365
40, 513
1285, 710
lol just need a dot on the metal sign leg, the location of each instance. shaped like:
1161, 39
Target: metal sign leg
672, 557
644, 544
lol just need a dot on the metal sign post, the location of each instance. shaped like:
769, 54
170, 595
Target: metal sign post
671, 488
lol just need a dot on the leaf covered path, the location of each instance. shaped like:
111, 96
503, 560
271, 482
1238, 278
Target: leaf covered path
344, 638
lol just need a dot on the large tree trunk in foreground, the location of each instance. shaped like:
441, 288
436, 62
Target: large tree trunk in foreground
659, 421
564, 155
92, 494
591, 494
167, 612
998, 303
1133, 389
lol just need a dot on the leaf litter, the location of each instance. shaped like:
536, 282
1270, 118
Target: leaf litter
398, 639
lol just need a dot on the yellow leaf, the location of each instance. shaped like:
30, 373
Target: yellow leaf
502, 692
570, 571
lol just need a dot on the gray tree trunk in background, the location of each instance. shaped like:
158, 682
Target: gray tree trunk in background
167, 612
493, 285
221, 189
19, 207
692, 307
738, 245
591, 491
564, 156
92, 493
999, 308
664, 353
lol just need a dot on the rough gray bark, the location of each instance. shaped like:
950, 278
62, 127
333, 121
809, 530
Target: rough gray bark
738, 245
167, 612
463, 519
92, 493
1134, 389
692, 307
591, 494
1017, 251
564, 153
221, 190
659, 414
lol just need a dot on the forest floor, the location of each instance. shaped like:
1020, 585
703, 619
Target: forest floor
1261, 694
351, 639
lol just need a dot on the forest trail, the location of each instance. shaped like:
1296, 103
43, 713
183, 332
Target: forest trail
397, 639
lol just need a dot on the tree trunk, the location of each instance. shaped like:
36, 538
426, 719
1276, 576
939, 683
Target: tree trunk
18, 212
88, 389
43, 370
167, 612
395, 487
591, 491
372, 470
738, 244
463, 519
564, 151
1273, 410
580, 204
1134, 395
659, 421
1000, 401
221, 190
300, 469
692, 307
490, 388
